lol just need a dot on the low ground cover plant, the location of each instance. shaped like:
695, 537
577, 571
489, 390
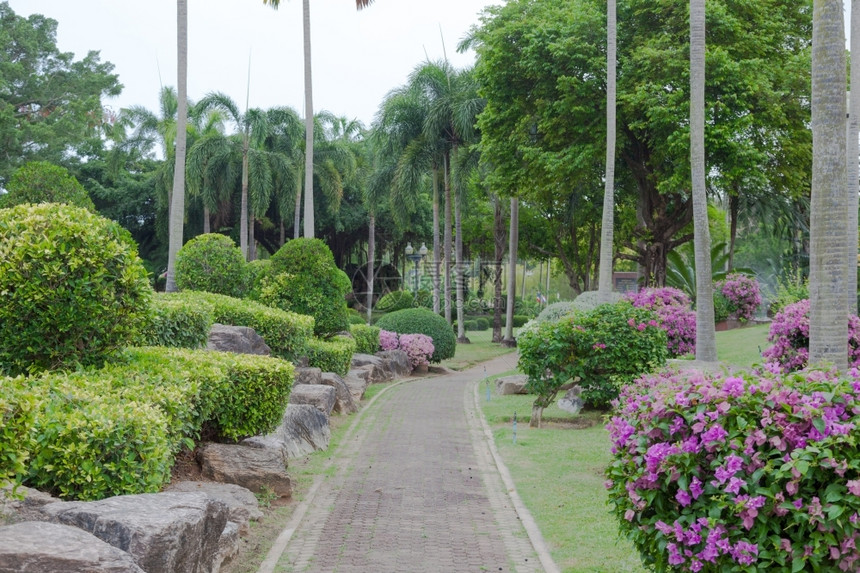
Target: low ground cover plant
677, 317
749, 472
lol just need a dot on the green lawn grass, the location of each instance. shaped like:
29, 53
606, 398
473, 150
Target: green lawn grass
742, 346
481, 349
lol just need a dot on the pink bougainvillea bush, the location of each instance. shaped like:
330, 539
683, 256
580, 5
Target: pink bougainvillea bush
742, 294
789, 334
419, 347
755, 472
676, 316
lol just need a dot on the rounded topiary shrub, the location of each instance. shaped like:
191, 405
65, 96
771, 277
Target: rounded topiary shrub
422, 321
556, 311
395, 300
72, 288
43, 182
211, 263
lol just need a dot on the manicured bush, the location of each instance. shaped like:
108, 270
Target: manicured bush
178, 323
470, 325
72, 288
43, 182
211, 263
590, 300
395, 300
606, 349
482, 324
419, 348
422, 321
556, 311
366, 338
742, 294
285, 332
520, 320
677, 317
388, 340
333, 355
746, 472
254, 271
789, 333
356, 319
18, 413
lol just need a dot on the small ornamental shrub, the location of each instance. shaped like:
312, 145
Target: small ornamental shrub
792, 288
589, 300
520, 320
43, 182
736, 473
18, 405
676, 316
418, 347
177, 323
789, 333
356, 319
395, 300
423, 321
555, 311
72, 288
743, 295
254, 271
388, 340
211, 263
366, 338
332, 355
482, 324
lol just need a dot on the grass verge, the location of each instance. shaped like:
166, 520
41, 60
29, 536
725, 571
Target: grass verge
481, 349
742, 346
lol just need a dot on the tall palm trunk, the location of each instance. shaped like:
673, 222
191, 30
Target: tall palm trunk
458, 271
371, 255
177, 199
207, 225
853, 152
252, 242
512, 272
243, 208
706, 340
297, 213
604, 284
447, 177
499, 244
828, 314
309, 126
436, 250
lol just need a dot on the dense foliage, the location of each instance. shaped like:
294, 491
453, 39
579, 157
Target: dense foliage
395, 300
211, 263
742, 294
749, 472
42, 182
677, 317
72, 288
419, 347
422, 321
366, 338
331, 355
177, 323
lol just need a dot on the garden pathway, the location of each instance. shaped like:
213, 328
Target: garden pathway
416, 490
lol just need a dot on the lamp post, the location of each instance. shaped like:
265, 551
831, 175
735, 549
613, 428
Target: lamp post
416, 258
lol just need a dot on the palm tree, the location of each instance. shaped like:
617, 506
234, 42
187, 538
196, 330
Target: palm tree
604, 284
509, 339
177, 202
309, 109
829, 248
286, 136
853, 152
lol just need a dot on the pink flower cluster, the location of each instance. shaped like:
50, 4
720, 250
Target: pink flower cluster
419, 347
743, 294
729, 472
789, 334
676, 316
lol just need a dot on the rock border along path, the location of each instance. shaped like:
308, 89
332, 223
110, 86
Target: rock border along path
416, 489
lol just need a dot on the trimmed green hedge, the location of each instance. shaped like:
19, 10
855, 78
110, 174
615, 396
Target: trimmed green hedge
334, 355
178, 323
422, 321
366, 338
18, 413
395, 300
285, 332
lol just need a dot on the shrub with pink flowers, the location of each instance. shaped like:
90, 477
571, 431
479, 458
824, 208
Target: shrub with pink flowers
789, 334
731, 473
388, 340
419, 347
742, 294
677, 318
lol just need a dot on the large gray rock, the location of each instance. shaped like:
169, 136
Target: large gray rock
378, 370
303, 430
237, 339
254, 468
242, 505
163, 532
343, 404
509, 385
228, 545
572, 401
40, 547
359, 360
320, 397
357, 382
25, 505
398, 362
307, 375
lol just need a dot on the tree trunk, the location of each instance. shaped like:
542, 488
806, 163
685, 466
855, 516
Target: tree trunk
252, 242
282, 238
447, 177
207, 225
706, 340
604, 284
853, 152
297, 214
734, 206
828, 314
309, 126
458, 272
177, 200
243, 208
436, 251
509, 339
371, 255
499, 244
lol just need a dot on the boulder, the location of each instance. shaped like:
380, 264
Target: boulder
509, 385
254, 468
356, 381
303, 430
572, 400
398, 362
26, 505
378, 370
320, 397
39, 547
242, 505
237, 339
359, 360
343, 403
307, 376
228, 545
162, 531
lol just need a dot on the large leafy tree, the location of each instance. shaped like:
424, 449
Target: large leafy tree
49, 103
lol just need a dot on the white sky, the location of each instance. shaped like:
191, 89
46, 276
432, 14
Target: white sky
357, 56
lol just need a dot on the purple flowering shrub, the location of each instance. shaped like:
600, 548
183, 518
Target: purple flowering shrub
754, 472
677, 318
742, 294
789, 334
419, 347
388, 340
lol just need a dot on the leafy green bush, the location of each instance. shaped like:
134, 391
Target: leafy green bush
422, 321
482, 323
520, 320
303, 278
333, 355
211, 263
285, 332
395, 300
366, 338
590, 300
18, 413
43, 182
556, 311
72, 288
356, 319
605, 349
178, 323
470, 325
254, 271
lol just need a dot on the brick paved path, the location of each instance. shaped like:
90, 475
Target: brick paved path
416, 493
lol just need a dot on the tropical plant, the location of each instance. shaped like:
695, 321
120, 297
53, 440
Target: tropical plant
177, 202
681, 269
608, 221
